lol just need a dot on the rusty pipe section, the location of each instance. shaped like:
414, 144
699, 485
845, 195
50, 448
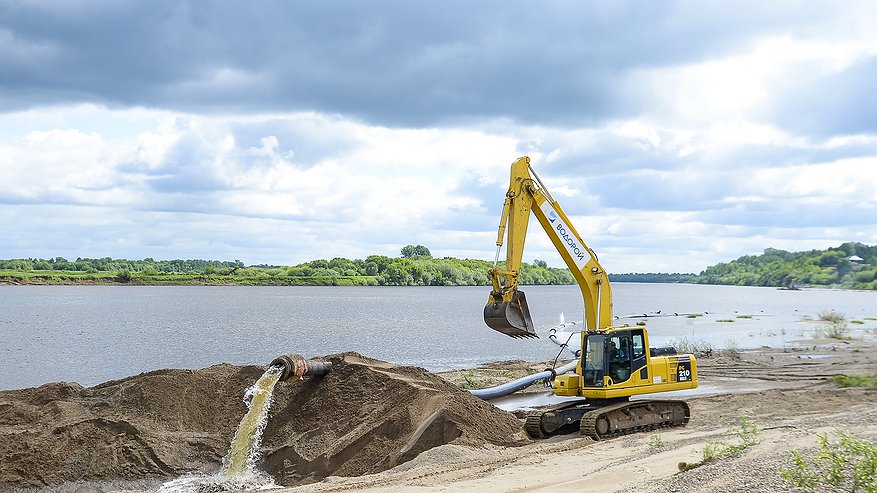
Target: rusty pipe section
294, 365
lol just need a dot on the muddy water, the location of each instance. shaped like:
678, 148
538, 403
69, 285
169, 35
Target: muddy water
239, 470
91, 334
244, 451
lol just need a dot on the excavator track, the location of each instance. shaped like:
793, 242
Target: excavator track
601, 420
633, 416
533, 426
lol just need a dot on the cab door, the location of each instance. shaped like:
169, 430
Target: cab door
619, 354
594, 360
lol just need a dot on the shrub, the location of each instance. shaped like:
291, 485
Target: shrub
848, 463
685, 346
835, 330
832, 316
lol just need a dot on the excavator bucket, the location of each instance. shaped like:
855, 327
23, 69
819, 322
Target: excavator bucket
511, 318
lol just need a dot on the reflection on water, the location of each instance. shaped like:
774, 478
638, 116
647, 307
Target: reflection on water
90, 334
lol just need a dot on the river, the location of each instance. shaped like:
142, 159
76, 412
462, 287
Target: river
90, 334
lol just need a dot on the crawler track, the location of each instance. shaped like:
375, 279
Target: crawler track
600, 420
634, 416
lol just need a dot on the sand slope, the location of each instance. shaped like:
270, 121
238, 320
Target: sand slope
373, 426
364, 417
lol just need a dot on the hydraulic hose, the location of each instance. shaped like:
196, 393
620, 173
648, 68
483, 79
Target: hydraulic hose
523, 382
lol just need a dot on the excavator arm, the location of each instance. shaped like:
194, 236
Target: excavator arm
506, 310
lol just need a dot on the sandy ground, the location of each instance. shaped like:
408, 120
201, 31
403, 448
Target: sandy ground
789, 394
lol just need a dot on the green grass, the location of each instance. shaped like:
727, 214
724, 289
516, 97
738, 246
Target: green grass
245, 277
857, 322
725, 320
865, 381
744, 316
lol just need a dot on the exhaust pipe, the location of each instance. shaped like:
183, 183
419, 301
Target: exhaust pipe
294, 365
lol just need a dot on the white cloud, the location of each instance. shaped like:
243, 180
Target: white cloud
239, 187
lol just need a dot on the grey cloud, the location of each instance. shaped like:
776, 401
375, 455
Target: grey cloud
833, 104
309, 141
793, 213
394, 63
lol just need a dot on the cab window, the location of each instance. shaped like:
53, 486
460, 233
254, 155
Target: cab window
639, 347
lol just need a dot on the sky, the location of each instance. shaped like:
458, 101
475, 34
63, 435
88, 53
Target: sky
675, 135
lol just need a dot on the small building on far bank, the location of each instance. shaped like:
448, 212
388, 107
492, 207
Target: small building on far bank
856, 261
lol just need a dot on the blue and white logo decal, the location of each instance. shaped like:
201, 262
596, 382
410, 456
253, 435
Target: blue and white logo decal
580, 255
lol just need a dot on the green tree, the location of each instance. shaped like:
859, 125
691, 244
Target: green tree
411, 251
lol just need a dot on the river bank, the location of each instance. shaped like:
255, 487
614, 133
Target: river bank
138, 432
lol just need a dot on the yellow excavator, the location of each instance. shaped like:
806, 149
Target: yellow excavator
616, 362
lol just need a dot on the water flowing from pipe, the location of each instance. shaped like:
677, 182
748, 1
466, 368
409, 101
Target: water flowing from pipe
239, 470
244, 450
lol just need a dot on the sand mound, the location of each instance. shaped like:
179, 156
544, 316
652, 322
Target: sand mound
365, 416
151, 425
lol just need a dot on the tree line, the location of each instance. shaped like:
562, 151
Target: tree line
779, 268
417, 267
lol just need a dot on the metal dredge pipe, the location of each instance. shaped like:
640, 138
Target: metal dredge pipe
294, 365
522, 383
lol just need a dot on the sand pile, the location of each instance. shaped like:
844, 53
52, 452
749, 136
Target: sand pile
365, 416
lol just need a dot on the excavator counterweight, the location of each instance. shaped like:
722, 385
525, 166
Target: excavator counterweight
512, 318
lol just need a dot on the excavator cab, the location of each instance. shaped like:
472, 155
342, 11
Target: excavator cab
609, 354
512, 317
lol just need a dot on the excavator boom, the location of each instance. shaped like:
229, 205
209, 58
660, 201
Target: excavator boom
506, 310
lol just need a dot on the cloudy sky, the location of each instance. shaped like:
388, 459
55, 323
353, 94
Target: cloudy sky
675, 134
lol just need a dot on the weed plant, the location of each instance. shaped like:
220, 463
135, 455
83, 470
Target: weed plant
656, 442
832, 316
850, 463
685, 345
747, 435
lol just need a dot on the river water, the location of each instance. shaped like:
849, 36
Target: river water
90, 334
